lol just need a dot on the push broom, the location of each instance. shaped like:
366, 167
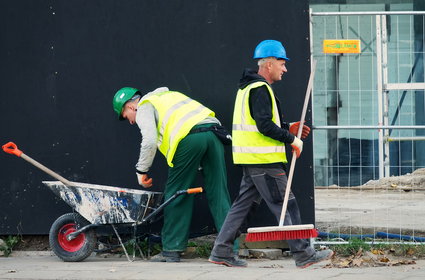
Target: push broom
282, 232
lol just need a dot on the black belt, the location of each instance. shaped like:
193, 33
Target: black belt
201, 129
222, 134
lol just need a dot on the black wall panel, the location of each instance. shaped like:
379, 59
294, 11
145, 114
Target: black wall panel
62, 61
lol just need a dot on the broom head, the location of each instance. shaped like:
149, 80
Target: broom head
281, 233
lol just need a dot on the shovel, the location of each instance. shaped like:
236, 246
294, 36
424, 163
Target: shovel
11, 148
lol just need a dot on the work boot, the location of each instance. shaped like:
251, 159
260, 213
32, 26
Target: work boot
166, 256
230, 261
317, 257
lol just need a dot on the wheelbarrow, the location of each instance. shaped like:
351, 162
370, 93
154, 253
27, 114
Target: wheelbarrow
73, 236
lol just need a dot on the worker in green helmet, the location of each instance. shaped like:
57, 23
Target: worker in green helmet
182, 129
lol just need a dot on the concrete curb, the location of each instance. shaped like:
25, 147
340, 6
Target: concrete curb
31, 253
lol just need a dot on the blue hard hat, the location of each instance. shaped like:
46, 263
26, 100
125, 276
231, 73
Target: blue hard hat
270, 48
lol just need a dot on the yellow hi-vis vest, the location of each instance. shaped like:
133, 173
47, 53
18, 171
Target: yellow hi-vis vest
248, 144
177, 115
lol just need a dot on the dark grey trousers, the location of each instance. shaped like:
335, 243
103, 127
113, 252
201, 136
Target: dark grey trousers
268, 184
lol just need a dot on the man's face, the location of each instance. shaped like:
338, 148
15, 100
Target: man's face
129, 112
277, 69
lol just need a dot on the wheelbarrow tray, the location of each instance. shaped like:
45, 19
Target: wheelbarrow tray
100, 204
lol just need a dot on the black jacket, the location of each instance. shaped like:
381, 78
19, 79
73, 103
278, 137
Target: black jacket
260, 107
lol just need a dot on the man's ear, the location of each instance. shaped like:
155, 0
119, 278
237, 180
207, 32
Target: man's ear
132, 106
269, 64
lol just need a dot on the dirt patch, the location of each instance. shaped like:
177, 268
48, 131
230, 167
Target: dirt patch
415, 180
407, 182
33, 243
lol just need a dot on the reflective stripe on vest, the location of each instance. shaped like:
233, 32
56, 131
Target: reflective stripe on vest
249, 145
177, 114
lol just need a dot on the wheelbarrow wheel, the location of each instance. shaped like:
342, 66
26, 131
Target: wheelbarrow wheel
74, 250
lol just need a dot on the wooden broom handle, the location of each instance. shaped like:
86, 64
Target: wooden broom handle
294, 156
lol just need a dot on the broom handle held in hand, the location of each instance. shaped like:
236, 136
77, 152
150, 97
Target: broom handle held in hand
294, 157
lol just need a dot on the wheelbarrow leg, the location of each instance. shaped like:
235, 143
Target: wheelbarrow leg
136, 244
122, 245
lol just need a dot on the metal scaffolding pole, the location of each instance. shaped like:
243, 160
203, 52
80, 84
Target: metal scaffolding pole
380, 92
384, 67
407, 138
367, 13
368, 126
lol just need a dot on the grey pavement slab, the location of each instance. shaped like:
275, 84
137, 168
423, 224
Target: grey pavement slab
355, 211
46, 266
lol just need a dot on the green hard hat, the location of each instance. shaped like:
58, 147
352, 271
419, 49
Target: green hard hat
121, 97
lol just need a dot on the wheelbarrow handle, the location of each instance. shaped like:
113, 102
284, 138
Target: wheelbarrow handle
11, 148
195, 190
168, 201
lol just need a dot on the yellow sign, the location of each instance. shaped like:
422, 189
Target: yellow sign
341, 46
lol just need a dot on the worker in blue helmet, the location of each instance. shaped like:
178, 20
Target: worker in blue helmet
259, 137
270, 48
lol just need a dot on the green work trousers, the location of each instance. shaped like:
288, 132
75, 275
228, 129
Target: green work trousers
196, 150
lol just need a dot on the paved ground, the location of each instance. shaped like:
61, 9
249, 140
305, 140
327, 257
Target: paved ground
363, 210
392, 210
39, 266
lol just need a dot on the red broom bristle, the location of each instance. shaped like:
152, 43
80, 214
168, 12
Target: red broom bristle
281, 235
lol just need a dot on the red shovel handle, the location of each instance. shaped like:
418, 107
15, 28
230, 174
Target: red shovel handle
11, 148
